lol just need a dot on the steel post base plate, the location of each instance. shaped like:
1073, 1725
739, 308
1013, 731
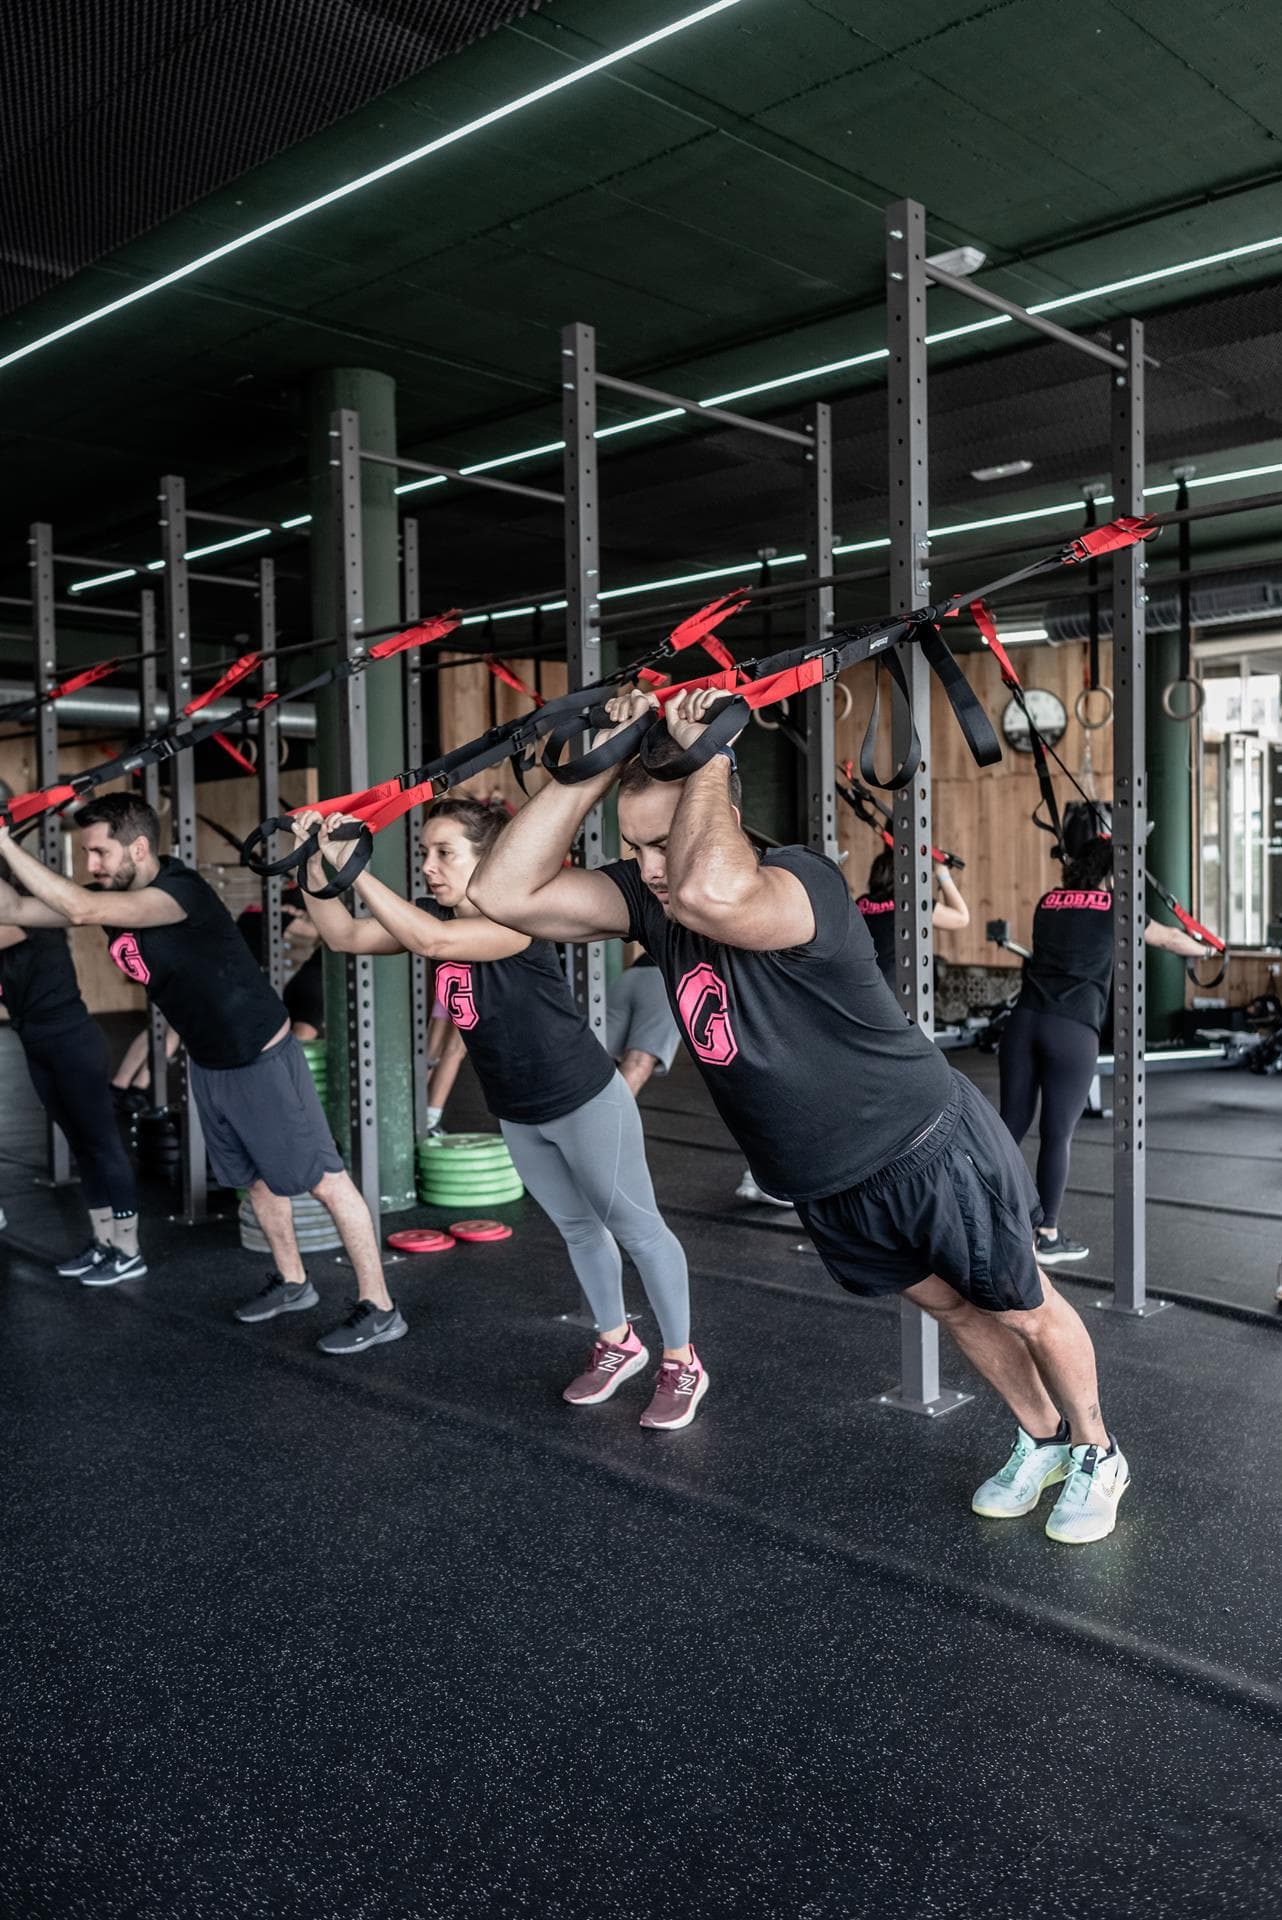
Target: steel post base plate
1145, 1312
947, 1400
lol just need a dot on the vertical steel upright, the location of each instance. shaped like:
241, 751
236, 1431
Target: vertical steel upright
353, 759
182, 795
1130, 809
149, 688
45, 663
274, 953
820, 759
415, 754
919, 1390
583, 608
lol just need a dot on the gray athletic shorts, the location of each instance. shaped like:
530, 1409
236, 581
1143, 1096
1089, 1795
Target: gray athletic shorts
265, 1122
638, 1017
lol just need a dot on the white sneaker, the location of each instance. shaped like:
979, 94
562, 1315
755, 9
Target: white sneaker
1087, 1508
748, 1189
1020, 1484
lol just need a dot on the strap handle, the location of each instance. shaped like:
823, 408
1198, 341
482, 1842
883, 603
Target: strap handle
602, 758
254, 856
355, 864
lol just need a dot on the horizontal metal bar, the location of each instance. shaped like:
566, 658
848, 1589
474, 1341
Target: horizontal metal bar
238, 520
468, 479
707, 413
121, 707
224, 580
96, 560
982, 297
77, 606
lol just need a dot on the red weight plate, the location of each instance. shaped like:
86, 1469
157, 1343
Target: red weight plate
420, 1240
480, 1230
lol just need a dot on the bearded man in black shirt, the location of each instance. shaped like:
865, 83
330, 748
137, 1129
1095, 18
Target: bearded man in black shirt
262, 1120
903, 1175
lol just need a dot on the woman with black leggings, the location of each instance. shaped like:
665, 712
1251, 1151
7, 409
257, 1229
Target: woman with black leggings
66, 1056
1051, 1042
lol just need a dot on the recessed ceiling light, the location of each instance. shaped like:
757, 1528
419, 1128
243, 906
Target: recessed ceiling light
1006, 470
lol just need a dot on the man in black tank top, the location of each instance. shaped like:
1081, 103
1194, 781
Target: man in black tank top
263, 1124
903, 1175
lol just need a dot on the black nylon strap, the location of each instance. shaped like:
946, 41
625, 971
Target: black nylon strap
968, 709
729, 718
599, 759
354, 865
903, 773
266, 869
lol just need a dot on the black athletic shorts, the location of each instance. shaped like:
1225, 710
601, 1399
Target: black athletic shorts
265, 1122
959, 1203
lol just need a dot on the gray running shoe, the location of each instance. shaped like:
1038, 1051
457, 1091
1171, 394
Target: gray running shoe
96, 1254
364, 1326
116, 1267
1053, 1252
278, 1296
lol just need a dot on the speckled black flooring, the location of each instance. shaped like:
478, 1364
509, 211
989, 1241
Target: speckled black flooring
404, 1637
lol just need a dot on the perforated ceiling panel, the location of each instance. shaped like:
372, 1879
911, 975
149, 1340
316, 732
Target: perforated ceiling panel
115, 114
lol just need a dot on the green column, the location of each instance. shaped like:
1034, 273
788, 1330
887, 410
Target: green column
1170, 844
373, 397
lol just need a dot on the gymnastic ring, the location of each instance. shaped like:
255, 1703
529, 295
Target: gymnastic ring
1197, 698
1081, 715
839, 686
772, 726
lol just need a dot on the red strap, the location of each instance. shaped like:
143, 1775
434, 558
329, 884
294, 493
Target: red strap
501, 671
1127, 531
694, 629
983, 619
357, 804
651, 677
85, 679
26, 806
234, 674
235, 753
716, 651
1195, 927
421, 634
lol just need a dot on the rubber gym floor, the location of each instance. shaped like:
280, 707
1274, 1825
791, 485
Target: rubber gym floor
403, 1636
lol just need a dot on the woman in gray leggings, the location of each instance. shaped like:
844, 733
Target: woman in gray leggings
570, 1122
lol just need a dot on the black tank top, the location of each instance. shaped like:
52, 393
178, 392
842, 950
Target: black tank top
38, 983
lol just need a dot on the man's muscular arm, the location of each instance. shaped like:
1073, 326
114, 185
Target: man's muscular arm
716, 884
78, 906
523, 881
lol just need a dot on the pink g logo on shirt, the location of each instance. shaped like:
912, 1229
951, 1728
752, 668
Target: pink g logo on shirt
124, 951
454, 990
703, 1003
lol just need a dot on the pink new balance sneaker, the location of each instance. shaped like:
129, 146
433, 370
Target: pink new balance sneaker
608, 1367
677, 1394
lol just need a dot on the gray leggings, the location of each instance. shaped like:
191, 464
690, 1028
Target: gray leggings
588, 1172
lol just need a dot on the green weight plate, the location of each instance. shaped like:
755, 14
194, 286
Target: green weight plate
463, 1162
463, 1142
452, 1196
482, 1183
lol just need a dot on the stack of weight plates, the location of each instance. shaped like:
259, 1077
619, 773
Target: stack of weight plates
467, 1172
313, 1228
314, 1054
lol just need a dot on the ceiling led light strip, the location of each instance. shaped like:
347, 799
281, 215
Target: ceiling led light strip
370, 179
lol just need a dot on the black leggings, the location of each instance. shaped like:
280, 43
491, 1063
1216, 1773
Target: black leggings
1045, 1054
71, 1073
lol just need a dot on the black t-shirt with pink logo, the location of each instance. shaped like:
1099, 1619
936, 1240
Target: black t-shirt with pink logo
1071, 969
813, 1067
535, 1055
879, 918
201, 975
38, 985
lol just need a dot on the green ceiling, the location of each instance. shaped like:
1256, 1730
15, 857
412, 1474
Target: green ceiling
714, 208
